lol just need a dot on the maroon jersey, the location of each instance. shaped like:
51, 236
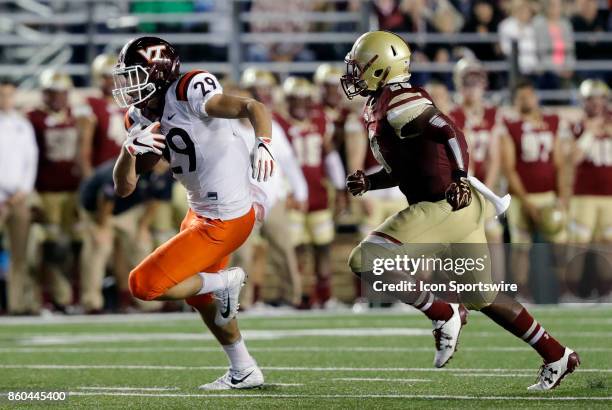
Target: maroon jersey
58, 144
478, 129
308, 139
336, 118
534, 144
594, 173
109, 133
411, 138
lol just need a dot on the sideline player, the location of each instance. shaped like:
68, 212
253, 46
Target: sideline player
591, 204
425, 154
307, 130
187, 118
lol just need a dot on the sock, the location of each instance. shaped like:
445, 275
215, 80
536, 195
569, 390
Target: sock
323, 289
256, 293
528, 329
238, 356
434, 308
358, 288
210, 282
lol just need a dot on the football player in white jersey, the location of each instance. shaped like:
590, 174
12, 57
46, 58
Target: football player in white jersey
187, 119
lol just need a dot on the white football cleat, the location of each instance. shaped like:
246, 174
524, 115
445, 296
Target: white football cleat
446, 334
249, 378
228, 298
550, 374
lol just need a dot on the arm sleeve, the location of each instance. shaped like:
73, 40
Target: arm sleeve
443, 130
199, 89
288, 163
30, 166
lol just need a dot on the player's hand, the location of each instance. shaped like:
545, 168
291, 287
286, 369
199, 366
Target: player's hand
140, 141
458, 194
532, 212
294, 204
263, 161
357, 183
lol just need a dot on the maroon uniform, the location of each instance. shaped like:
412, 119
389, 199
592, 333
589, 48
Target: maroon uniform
534, 145
58, 144
308, 140
594, 173
109, 133
410, 139
479, 130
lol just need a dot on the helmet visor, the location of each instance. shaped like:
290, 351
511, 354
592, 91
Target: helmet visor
352, 83
131, 85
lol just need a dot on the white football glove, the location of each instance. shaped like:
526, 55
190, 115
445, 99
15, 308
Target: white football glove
140, 141
263, 162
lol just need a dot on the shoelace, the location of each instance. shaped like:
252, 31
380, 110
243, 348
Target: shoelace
438, 336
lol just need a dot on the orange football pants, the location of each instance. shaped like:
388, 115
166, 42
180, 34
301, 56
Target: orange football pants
202, 245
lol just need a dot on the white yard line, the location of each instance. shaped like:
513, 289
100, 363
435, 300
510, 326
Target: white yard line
119, 388
264, 334
532, 374
280, 349
341, 396
265, 314
377, 379
275, 368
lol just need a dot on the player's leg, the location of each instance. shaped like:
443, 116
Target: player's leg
604, 261
558, 359
581, 228
301, 241
520, 235
175, 270
320, 225
416, 230
243, 372
282, 252
18, 229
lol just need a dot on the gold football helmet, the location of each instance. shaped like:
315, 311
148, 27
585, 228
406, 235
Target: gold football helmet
593, 88
377, 57
256, 77
298, 87
54, 80
552, 220
465, 67
103, 65
327, 74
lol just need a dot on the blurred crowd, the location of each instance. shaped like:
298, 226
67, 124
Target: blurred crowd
544, 31
69, 243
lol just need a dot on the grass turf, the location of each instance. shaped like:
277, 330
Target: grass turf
382, 359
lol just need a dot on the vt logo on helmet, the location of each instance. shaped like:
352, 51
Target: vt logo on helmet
376, 59
146, 66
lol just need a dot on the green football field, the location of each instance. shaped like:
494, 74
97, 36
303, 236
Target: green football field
380, 359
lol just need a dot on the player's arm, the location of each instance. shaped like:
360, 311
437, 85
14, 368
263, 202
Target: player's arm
86, 126
515, 185
359, 183
288, 163
493, 161
356, 143
139, 141
564, 170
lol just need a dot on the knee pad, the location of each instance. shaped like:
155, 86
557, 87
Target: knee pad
140, 287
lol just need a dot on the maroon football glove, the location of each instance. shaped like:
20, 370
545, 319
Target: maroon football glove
357, 183
458, 193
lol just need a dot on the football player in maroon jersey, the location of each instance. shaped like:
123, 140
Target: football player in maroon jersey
591, 203
424, 153
309, 135
103, 132
480, 123
57, 181
533, 163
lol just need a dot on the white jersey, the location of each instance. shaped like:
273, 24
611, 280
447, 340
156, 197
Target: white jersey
206, 155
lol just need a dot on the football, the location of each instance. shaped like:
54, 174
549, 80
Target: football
145, 162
